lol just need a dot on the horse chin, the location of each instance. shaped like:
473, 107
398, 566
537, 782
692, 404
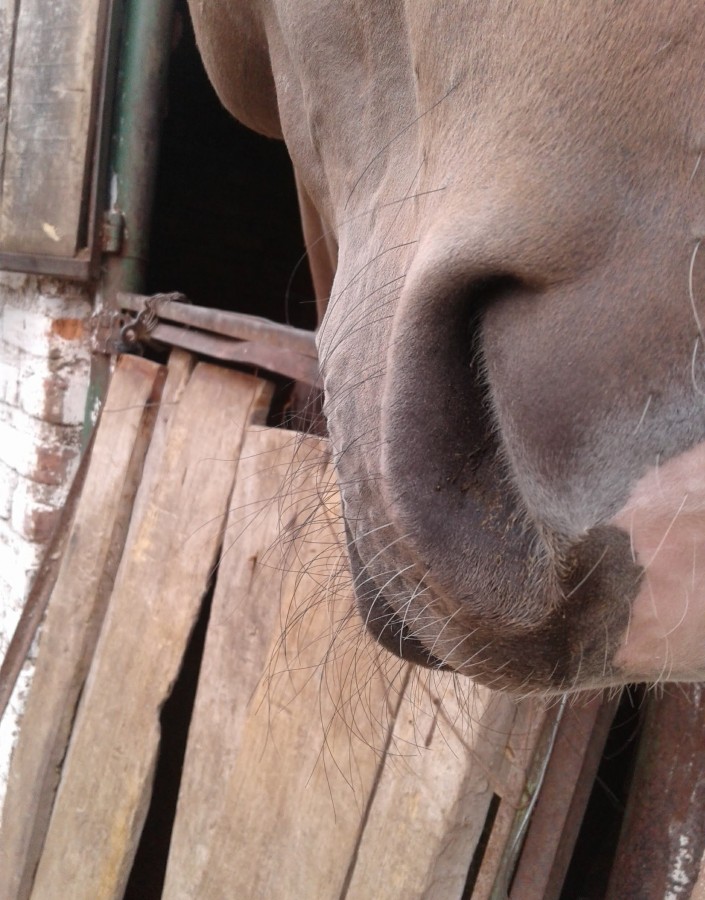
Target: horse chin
386, 626
551, 628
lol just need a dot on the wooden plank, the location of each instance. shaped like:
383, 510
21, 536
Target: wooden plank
171, 547
179, 371
528, 743
241, 326
274, 359
74, 614
281, 756
442, 770
47, 142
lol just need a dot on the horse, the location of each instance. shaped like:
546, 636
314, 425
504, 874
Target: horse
505, 205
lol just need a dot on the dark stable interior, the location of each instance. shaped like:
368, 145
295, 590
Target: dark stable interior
225, 228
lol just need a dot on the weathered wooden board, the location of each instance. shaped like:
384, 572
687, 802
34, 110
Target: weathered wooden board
281, 816
75, 614
303, 749
517, 781
171, 547
316, 751
49, 99
445, 762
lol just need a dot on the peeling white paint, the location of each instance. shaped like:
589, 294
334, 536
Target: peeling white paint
50, 231
678, 879
44, 374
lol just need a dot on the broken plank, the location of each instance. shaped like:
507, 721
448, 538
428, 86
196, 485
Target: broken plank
282, 754
440, 775
170, 551
74, 614
519, 778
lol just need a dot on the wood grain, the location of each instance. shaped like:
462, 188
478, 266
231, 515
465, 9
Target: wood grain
49, 96
525, 753
171, 547
311, 770
75, 613
440, 774
281, 817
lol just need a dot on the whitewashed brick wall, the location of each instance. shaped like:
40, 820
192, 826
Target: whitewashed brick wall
44, 373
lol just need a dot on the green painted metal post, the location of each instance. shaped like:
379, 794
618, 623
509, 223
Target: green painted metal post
147, 27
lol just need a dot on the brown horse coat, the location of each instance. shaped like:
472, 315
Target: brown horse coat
513, 347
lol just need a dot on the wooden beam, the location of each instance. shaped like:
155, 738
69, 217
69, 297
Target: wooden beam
279, 360
170, 550
564, 795
236, 325
75, 613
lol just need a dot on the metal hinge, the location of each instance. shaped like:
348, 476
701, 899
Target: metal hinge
112, 231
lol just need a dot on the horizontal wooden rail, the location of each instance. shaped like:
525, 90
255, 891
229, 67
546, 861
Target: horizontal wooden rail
228, 324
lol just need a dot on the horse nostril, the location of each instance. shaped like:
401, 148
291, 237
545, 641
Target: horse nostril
473, 302
443, 473
490, 288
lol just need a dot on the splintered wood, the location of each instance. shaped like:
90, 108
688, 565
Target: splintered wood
316, 767
170, 552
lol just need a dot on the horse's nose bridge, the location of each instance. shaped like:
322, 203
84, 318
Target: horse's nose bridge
540, 214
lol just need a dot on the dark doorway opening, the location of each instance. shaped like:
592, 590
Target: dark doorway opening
225, 228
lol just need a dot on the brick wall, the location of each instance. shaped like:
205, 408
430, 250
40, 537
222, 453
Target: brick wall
44, 371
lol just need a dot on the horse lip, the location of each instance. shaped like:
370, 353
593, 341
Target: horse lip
384, 624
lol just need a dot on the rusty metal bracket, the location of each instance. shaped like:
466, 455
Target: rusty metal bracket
105, 327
